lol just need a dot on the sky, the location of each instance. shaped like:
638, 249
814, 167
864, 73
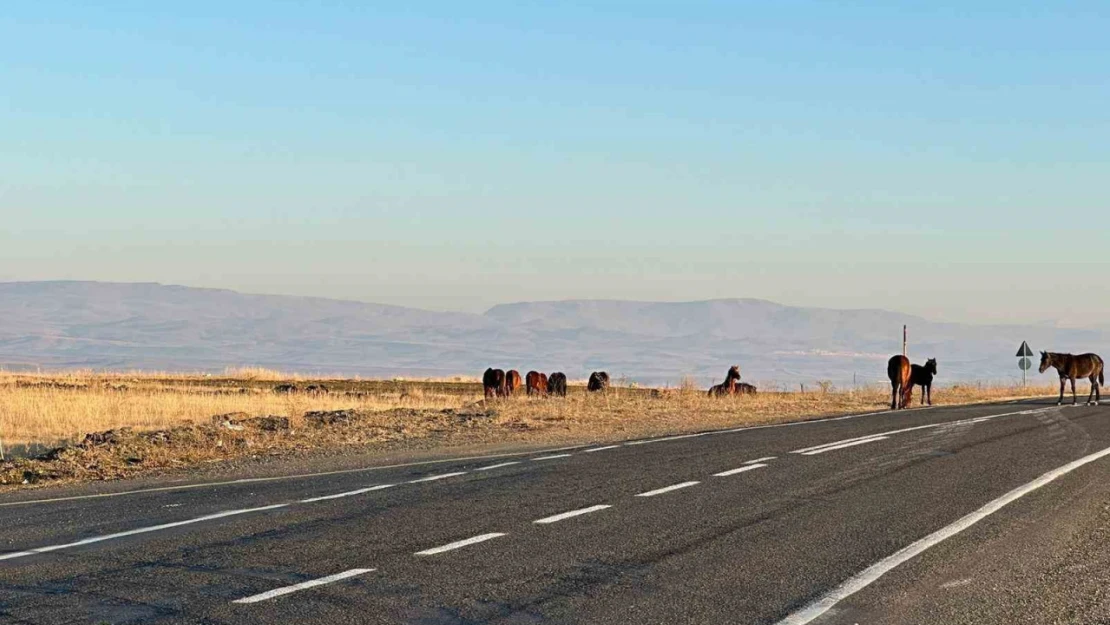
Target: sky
948, 160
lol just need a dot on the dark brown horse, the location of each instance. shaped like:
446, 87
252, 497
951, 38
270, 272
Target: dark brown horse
535, 383
493, 383
557, 384
923, 376
1071, 367
599, 381
512, 382
898, 370
728, 387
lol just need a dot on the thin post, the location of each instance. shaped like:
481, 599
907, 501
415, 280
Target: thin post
904, 337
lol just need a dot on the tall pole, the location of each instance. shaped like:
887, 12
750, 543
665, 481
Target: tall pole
904, 336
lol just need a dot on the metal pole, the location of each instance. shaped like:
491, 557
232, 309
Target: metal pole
904, 336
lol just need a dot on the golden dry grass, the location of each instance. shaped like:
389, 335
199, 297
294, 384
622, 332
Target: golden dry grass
47, 409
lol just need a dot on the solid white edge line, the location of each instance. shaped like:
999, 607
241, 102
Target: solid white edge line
349, 493
590, 451
555, 457
277, 592
667, 489
141, 530
758, 460
497, 466
866, 577
459, 544
846, 445
433, 478
573, 513
743, 469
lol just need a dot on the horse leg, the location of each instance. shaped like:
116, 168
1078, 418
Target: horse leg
1091, 395
1074, 401
1060, 402
929, 390
893, 395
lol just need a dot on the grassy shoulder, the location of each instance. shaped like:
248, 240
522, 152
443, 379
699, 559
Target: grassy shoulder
98, 427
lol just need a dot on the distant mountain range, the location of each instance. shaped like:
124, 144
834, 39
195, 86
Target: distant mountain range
172, 328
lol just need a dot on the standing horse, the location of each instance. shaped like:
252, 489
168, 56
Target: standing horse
923, 376
557, 384
728, 387
512, 382
1071, 367
898, 370
535, 383
493, 383
598, 382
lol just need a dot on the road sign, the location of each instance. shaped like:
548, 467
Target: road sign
1024, 350
1025, 364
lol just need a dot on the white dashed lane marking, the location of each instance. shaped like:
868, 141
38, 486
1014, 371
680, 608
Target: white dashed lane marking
555, 457
277, 592
864, 441
497, 466
349, 493
460, 544
442, 476
590, 451
573, 513
759, 460
667, 489
141, 530
743, 469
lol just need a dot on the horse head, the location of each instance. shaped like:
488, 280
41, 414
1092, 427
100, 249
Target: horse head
931, 366
1046, 361
733, 373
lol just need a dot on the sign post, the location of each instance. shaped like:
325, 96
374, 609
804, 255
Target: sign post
1023, 360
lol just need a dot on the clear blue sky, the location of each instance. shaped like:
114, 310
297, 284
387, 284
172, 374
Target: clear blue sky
951, 160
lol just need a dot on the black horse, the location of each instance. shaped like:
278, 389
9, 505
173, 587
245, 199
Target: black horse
1070, 367
598, 382
557, 384
923, 376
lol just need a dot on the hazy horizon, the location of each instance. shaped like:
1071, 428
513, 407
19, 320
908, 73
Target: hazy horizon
942, 163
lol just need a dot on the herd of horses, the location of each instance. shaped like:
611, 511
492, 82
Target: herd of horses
501, 383
903, 376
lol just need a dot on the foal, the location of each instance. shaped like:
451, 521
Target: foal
923, 377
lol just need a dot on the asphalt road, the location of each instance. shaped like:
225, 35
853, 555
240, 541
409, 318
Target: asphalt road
986, 514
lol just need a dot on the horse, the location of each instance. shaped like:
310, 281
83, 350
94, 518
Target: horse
512, 382
535, 383
898, 370
1071, 367
728, 387
923, 376
743, 388
557, 384
599, 381
493, 383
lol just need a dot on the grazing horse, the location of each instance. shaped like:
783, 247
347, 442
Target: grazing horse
557, 384
535, 383
743, 388
599, 381
898, 370
493, 383
728, 387
923, 376
1071, 367
512, 382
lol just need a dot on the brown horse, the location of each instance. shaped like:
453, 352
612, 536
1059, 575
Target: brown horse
898, 370
1071, 367
923, 376
728, 387
493, 383
512, 382
535, 383
599, 381
557, 384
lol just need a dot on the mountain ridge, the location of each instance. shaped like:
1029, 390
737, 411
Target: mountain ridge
112, 325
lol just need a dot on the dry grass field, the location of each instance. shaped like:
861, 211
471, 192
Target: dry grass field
166, 420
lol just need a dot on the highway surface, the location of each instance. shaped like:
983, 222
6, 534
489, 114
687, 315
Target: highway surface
984, 514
